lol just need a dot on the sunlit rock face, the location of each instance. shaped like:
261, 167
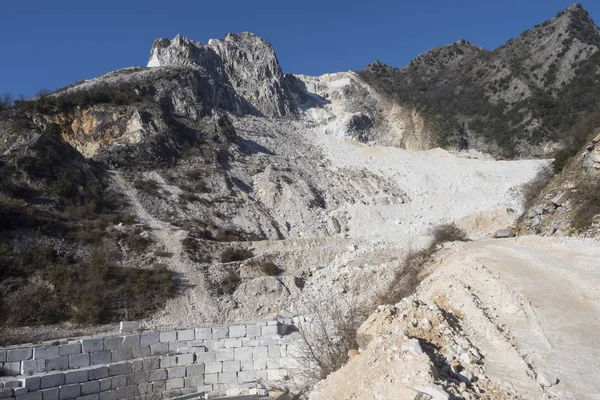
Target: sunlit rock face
242, 61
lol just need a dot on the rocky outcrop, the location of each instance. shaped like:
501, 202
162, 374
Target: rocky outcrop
568, 205
347, 107
244, 62
591, 157
413, 350
103, 127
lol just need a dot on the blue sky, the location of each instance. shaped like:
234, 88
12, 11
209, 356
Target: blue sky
50, 44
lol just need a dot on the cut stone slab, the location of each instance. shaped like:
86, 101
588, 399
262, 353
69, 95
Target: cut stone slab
129, 326
504, 233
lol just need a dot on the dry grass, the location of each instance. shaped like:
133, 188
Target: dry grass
229, 283
269, 268
531, 190
408, 275
586, 203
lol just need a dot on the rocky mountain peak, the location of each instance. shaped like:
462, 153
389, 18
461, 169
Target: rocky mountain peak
580, 25
575, 9
244, 61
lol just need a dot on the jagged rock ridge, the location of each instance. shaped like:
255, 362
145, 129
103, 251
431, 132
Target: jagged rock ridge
244, 61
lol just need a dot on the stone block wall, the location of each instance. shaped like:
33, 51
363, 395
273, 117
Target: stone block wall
149, 365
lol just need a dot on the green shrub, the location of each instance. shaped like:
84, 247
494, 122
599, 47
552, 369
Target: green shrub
162, 253
136, 242
194, 249
45, 287
194, 173
233, 235
65, 102
561, 158
228, 235
61, 188
127, 219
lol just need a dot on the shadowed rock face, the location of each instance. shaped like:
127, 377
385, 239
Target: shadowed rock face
243, 61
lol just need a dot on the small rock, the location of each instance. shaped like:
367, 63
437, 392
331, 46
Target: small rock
436, 393
413, 346
422, 396
530, 373
546, 380
539, 210
467, 358
504, 233
182, 234
465, 376
559, 199
315, 396
511, 309
352, 353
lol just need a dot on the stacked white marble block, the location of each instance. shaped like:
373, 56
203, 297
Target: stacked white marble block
148, 365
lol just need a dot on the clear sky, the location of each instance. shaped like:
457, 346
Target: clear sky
53, 43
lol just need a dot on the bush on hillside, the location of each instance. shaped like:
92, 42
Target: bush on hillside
149, 186
326, 341
408, 276
45, 287
532, 189
231, 254
47, 103
587, 204
269, 268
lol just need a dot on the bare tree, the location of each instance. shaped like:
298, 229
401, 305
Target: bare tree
42, 92
326, 338
6, 100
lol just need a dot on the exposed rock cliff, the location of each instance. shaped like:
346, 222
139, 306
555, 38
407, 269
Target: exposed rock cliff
346, 106
243, 61
570, 203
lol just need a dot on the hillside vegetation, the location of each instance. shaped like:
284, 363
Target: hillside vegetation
59, 258
523, 98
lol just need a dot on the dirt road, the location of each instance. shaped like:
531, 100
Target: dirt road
533, 305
